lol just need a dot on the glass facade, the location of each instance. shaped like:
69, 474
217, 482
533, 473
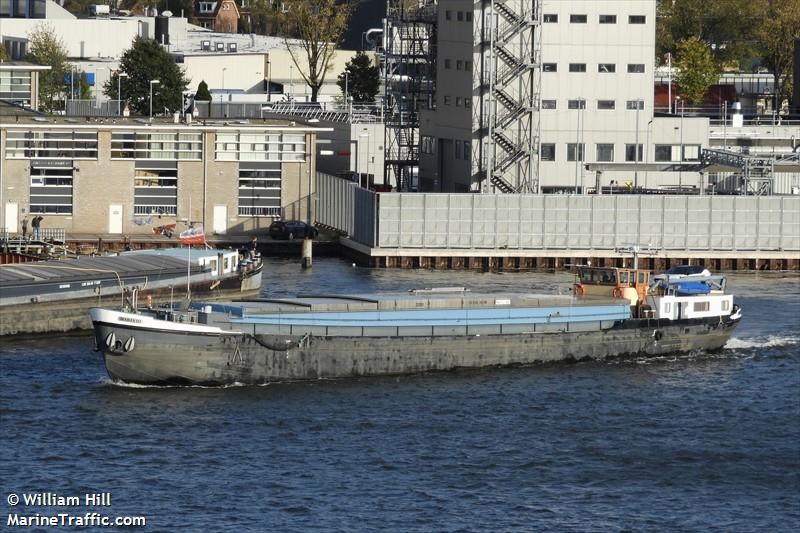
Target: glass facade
15, 86
259, 189
51, 187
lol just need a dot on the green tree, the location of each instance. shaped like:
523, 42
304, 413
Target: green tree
727, 25
319, 25
363, 79
84, 89
146, 60
265, 18
775, 36
46, 48
3, 53
202, 94
697, 70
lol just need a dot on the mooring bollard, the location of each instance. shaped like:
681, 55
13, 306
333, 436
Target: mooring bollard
306, 260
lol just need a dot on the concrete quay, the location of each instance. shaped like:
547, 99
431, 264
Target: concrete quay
514, 260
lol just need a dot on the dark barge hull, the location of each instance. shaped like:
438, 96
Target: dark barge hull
164, 357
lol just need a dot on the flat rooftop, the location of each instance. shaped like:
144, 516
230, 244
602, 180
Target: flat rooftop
73, 122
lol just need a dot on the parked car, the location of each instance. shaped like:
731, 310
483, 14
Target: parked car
289, 229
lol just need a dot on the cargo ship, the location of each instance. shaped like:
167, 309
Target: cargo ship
611, 313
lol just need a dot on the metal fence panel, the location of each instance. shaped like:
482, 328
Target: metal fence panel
769, 223
745, 224
721, 227
651, 224
627, 220
603, 222
459, 231
412, 225
790, 225
531, 221
555, 224
389, 220
674, 223
436, 220
579, 221
698, 222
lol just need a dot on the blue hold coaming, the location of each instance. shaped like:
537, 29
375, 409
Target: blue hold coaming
439, 317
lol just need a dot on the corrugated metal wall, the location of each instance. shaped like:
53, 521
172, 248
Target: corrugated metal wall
560, 222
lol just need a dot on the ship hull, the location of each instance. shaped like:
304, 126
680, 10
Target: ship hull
162, 357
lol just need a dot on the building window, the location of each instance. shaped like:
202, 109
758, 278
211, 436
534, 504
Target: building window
666, 152
630, 152
701, 306
448, 15
467, 150
550, 18
51, 187
606, 104
549, 67
259, 146
608, 19
575, 150
577, 67
459, 100
460, 16
606, 68
634, 104
549, 104
446, 100
207, 7
155, 188
15, 85
167, 145
457, 149
259, 189
467, 103
605, 152
56, 144
637, 19
576, 104
468, 66
428, 144
459, 64
446, 63
468, 16
691, 152
635, 68
577, 19
548, 152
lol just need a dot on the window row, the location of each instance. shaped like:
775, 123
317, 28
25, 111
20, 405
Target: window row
460, 64
552, 18
56, 144
246, 146
460, 149
604, 152
461, 16
459, 101
168, 145
605, 68
603, 105
51, 187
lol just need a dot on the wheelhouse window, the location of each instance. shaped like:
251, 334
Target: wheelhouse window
598, 276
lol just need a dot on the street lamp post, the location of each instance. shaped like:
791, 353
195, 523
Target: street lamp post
346, 80
72, 82
291, 85
223, 78
120, 75
647, 152
680, 168
152, 82
636, 147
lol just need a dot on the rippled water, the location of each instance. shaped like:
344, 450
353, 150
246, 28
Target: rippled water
673, 443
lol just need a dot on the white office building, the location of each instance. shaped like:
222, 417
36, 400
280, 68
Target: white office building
571, 82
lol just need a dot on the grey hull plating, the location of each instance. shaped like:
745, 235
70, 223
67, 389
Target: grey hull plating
176, 358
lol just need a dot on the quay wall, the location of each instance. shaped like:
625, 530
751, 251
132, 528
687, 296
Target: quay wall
426, 227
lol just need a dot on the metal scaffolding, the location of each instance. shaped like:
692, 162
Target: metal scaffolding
409, 84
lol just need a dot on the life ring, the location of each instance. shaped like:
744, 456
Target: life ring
616, 293
579, 289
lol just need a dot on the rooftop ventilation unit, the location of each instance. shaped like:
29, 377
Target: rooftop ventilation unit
205, 45
232, 48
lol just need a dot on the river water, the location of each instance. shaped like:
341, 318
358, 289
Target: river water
704, 442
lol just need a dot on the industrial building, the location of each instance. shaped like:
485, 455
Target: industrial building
127, 176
